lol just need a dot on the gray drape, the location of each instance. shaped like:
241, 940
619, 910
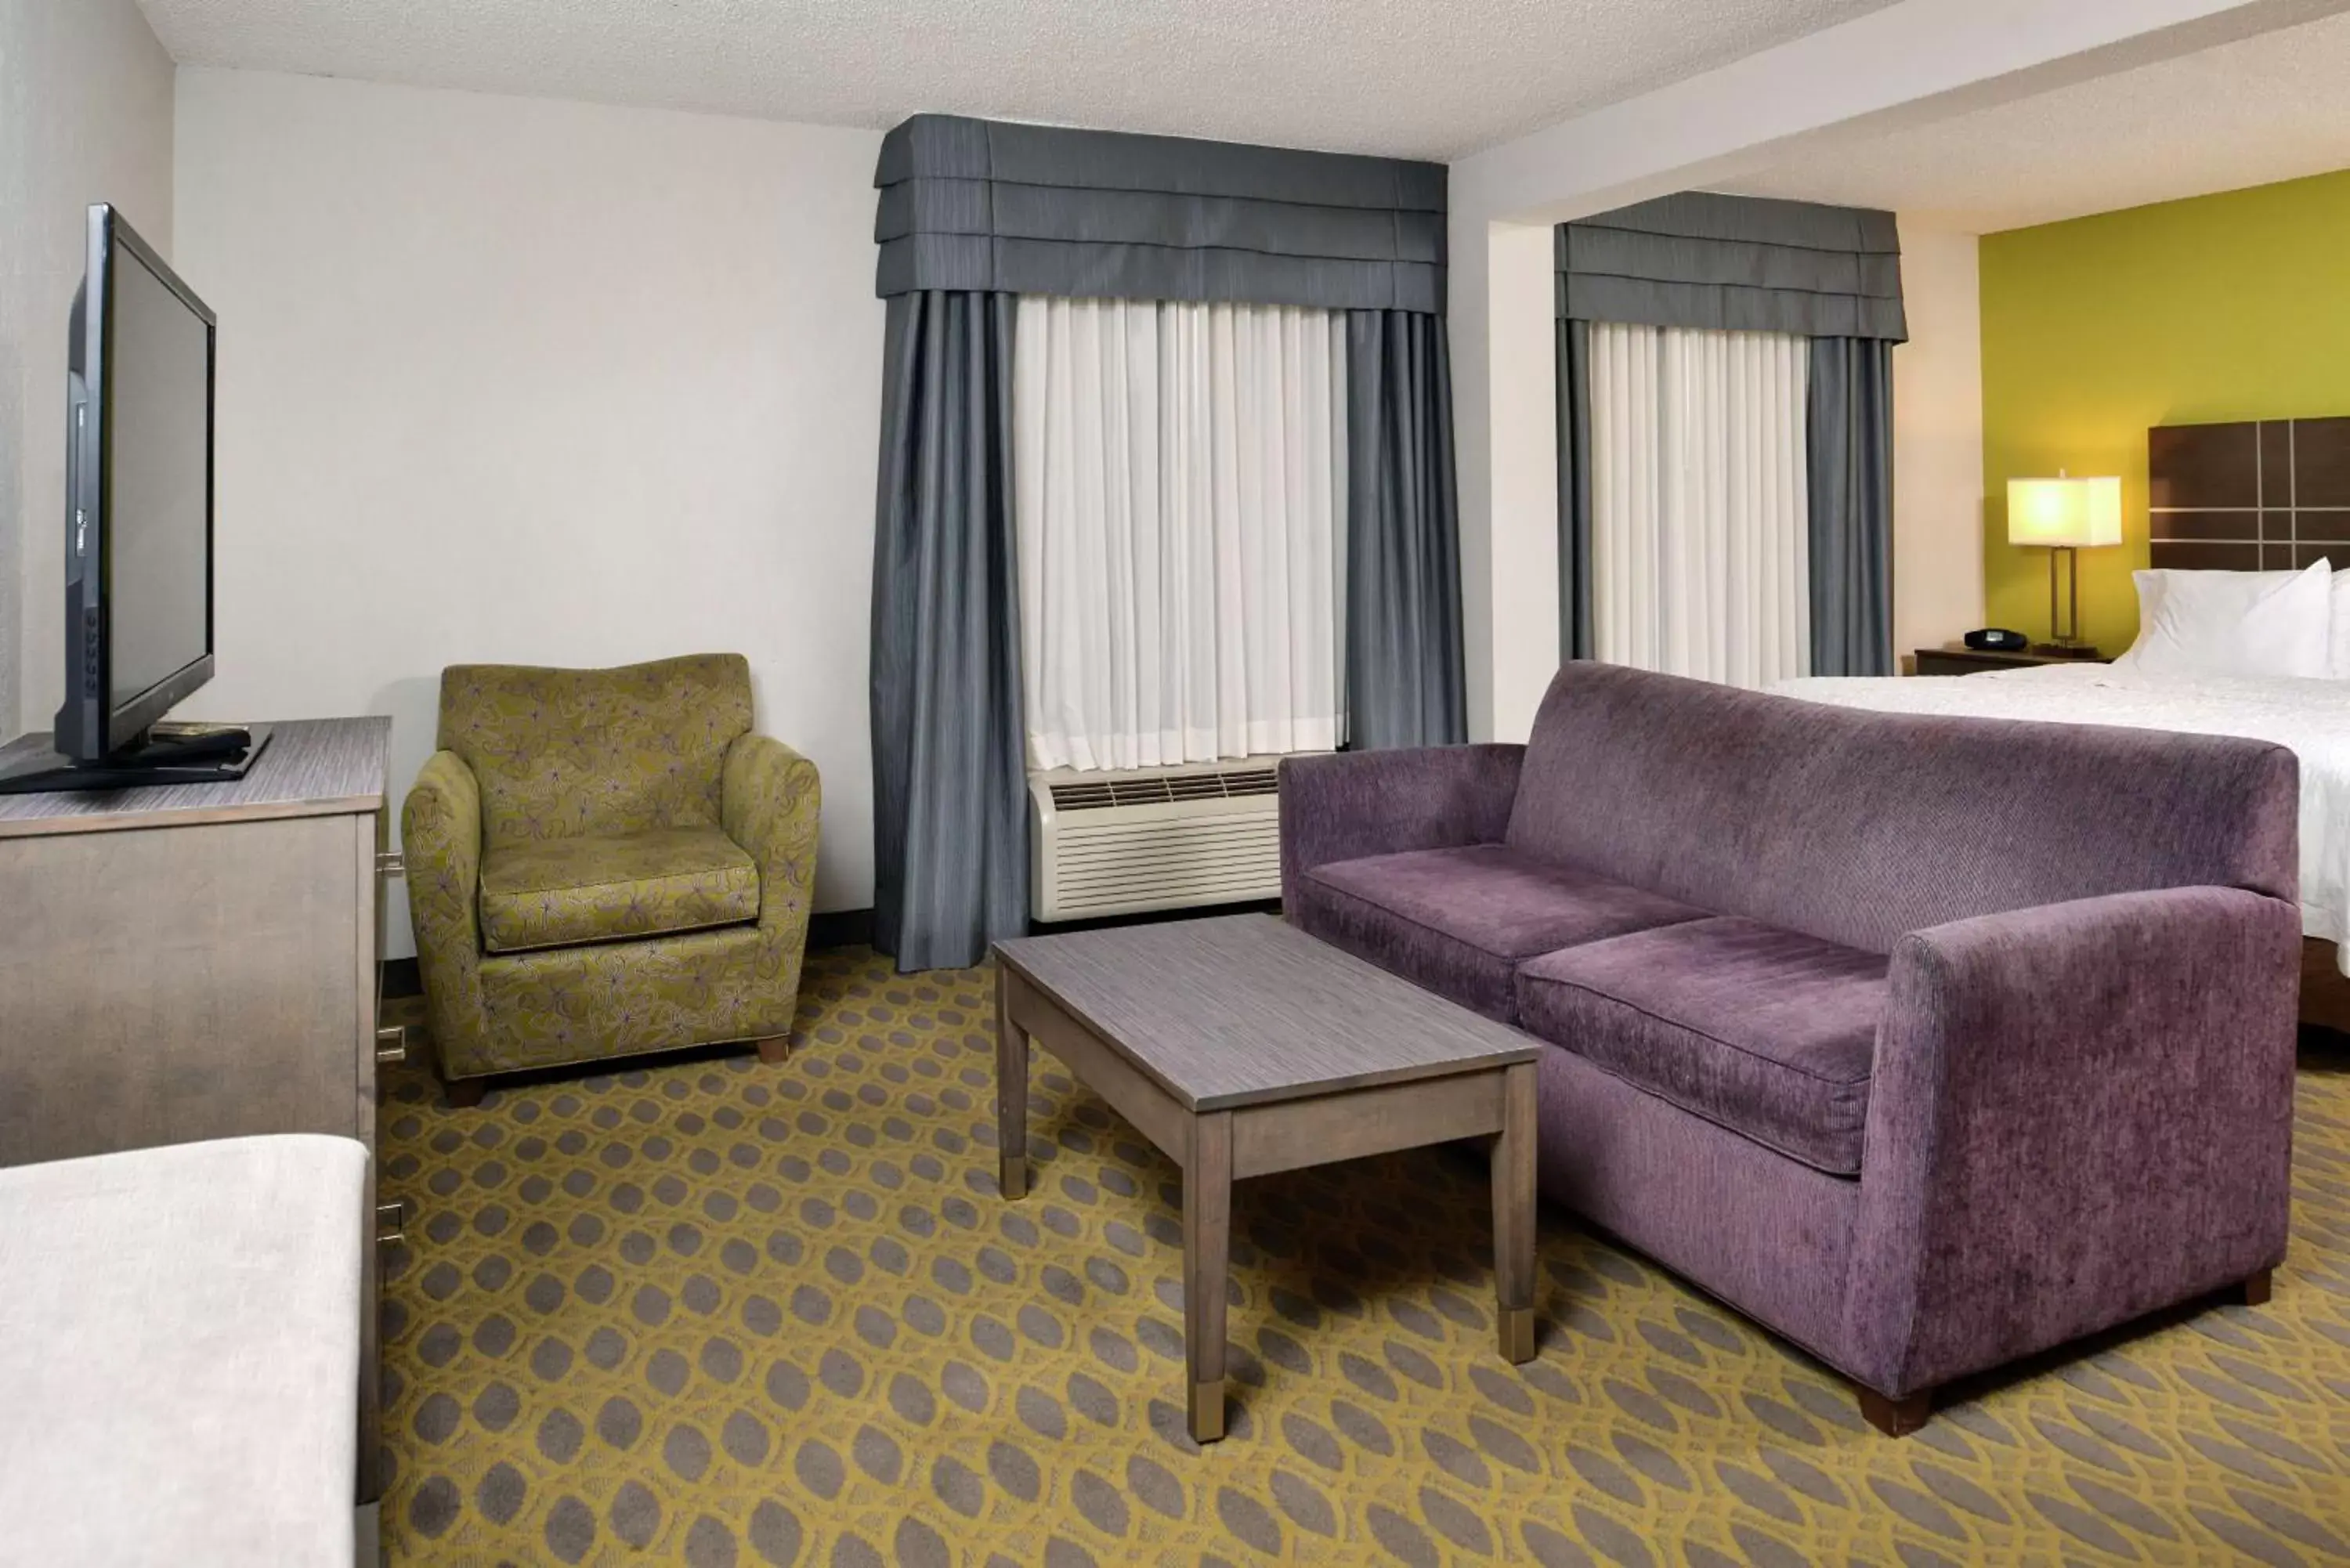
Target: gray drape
1735, 264
1035, 208
1573, 358
1849, 432
1745, 264
1405, 680
950, 784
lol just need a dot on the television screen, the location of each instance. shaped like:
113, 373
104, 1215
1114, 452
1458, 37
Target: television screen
158, 480
139, 534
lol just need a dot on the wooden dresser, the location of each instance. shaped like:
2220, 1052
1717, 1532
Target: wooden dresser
202, 961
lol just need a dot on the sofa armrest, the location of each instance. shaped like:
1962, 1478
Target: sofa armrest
440, 839
2080, 1113
770, 803
1350, 804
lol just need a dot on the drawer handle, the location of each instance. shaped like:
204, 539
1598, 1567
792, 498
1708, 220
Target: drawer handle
391, 863
391, 1222
392, 1045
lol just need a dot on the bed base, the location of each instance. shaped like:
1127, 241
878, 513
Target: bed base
2324, 990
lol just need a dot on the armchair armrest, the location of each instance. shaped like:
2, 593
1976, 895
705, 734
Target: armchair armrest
441, 837
770, 801
1353, 804
2080, 1113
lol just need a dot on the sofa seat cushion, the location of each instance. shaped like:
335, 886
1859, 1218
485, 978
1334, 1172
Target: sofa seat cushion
1458, 920
560, 892
1768, 1032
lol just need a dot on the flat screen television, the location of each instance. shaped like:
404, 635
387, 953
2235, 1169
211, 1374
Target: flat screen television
139, 529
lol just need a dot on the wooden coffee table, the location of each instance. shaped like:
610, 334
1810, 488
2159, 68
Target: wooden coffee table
1240, 1046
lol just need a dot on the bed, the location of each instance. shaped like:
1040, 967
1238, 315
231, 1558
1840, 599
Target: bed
2268, 497
2312, 717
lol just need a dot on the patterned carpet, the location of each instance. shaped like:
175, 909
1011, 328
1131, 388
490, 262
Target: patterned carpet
717, 1312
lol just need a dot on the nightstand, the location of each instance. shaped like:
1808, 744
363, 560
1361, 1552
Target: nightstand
1959, 660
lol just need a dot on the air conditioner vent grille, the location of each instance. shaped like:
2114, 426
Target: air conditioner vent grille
1083, 796
1251, 780
1220, 783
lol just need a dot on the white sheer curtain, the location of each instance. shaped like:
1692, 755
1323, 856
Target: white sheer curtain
1698, 506
1178, 475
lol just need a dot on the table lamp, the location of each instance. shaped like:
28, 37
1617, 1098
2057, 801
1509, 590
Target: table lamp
2062, 515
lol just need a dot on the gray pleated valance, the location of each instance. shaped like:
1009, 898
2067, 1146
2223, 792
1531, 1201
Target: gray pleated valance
1737, 264
1030, 209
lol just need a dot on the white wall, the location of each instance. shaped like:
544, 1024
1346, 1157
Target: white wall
1505, 435
527, 382
85, 116
1938, 459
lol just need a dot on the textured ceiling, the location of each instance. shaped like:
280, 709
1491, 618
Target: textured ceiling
2270, 108
1424, 78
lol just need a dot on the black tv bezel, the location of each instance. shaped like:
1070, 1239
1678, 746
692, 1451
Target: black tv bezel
91, 726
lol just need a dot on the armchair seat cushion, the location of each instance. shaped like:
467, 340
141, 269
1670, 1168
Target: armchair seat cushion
562, 892
1458, 920
1766, 1032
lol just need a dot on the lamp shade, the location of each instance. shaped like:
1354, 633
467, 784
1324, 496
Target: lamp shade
2084, 512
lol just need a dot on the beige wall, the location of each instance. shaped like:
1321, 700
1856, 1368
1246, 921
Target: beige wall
1938, 433
521, 381
85, 116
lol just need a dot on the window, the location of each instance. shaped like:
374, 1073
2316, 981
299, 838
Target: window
1700, 503
1178, 475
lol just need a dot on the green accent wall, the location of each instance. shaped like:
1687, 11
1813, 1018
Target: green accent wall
2233, 307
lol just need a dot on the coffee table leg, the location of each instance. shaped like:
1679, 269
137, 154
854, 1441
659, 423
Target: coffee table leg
1011, 1093
1514, 1213
1207, 1254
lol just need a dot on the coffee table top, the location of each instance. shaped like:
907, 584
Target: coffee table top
1240, 1009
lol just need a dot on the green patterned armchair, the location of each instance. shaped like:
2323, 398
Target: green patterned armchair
604, 862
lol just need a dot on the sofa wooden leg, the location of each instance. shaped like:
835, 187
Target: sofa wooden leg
775, 1050
2254, 1292
464, 1093
1896, 1418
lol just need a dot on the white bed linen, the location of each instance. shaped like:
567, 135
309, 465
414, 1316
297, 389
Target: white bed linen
179, 1355
2311, 717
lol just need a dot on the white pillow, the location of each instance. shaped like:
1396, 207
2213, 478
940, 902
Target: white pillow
2234, 623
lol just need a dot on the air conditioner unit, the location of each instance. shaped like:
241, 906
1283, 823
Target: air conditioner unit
1119, 843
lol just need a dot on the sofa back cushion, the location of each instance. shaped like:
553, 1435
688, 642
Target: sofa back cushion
1856, 826
560, 753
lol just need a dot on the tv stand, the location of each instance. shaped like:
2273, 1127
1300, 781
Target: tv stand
170, 753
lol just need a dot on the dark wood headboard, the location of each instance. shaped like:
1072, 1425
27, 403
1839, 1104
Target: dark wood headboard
2264, 495
2261, 495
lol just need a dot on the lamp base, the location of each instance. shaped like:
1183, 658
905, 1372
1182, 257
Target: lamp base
2065, 648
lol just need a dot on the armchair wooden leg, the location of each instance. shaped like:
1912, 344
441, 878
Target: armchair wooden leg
2254, 1292
775, 1050
464, 1093
1896, 1418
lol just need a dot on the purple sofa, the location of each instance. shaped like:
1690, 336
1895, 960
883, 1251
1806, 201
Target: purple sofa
1927, 1043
